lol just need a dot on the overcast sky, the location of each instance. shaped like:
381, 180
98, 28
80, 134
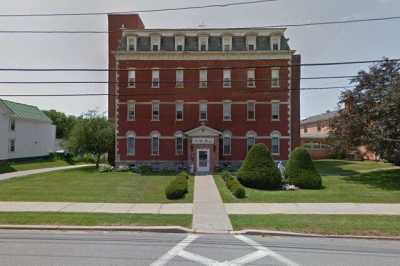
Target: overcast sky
344, 42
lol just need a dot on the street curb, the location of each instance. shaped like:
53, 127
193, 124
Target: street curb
293, 234
153, 229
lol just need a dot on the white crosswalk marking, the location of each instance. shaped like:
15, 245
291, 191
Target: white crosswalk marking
261, 252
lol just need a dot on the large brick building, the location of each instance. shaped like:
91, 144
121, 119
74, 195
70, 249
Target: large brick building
199, 98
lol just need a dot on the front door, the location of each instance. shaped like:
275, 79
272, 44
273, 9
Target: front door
203, 160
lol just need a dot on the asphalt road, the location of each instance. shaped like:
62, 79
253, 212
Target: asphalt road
124, 248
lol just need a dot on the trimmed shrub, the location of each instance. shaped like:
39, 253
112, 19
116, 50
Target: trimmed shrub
145, 170
233, 185
178, 187
300, 170
259, 170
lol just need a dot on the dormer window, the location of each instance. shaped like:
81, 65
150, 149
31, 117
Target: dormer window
276, 42
227, 43
155, 42
203, 43
179, 43
251, 41
131, 43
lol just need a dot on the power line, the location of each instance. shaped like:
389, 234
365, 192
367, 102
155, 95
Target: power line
130, 94
221, 5
199, 68
172, 81
298, 25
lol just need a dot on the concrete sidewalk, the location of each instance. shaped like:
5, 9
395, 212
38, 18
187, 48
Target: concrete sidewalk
40, 171
81, 207
313, 208
209, 214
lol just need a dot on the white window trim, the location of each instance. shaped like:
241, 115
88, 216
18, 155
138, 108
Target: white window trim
250, 135
201, 39
179, 83
128, 40
230, 110
152, 136
131, 103
227, 135
272, 110
276, 39
131, 135
179, 135
153, 71
275, 70
153, 104
10, 124
200, 104
276, 134
251, 83
247, 111
251, 40
132, 84
180, 40
228, 83
203, 83
227, 40
155, 40
176, 110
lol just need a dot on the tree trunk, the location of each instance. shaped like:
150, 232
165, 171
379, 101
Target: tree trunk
98, 161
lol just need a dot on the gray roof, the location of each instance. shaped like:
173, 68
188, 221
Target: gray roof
321, 117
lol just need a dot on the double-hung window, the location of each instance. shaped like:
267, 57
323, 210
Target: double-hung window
251, 140
11, 145
251, 110
131, 78
131, 111
203, 78
203, 111
178, 143
179, 111
131, 43
130, 144
251, 78
227, 143
179, 78
227, 110
155, 144
275, 82
227, 78
12, 124
155, 78
275, 110
275, 143
155, 111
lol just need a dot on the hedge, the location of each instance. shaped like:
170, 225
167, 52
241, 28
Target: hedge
233, 185
300, 170
178, 187
259, 170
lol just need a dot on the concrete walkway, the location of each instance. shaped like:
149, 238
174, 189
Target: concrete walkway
39, 171
209, 214
313, 208
81, 207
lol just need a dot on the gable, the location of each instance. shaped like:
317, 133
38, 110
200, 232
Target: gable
203, 131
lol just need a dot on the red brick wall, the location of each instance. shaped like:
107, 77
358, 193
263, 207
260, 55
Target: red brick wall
295, 102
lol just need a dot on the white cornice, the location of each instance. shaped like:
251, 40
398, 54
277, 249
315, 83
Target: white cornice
219, 55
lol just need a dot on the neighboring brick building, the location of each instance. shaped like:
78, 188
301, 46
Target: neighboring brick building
199, 98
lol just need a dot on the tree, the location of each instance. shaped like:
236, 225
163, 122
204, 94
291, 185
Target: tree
91, 134
371, 115
259, 170
62, 122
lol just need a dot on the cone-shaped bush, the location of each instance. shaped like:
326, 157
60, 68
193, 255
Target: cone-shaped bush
259, 170
300, 170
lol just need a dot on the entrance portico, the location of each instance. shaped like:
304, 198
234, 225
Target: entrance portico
203, 148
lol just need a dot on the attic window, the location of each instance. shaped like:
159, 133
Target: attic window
131, 43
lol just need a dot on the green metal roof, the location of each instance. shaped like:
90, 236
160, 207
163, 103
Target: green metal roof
25, 111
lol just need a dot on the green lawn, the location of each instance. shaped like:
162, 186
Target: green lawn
29, 165
88, 185
321, 224
343, 181
93, 219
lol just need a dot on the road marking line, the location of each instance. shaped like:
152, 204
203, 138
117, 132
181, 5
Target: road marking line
198, 258
249, 258
269, 252
174, 251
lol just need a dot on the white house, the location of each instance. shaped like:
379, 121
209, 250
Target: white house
25, 131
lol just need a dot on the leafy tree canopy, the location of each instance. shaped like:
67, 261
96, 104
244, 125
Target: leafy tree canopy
62, 122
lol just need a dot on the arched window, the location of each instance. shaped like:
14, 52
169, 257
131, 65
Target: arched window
179, 143
275, 142
155, 143
251, 139
131, 143
227, 142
